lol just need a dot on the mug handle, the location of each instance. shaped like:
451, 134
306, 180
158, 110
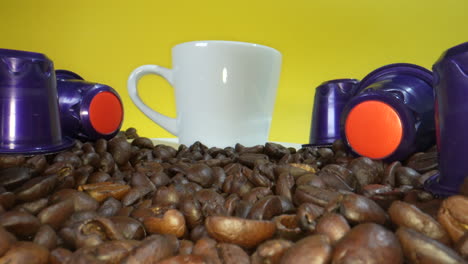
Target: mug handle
165, 122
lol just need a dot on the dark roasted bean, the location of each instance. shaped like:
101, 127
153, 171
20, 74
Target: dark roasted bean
46, 237
12, 178
419, 248
368, 243
453, 216
407, 215
21, 224
26, 252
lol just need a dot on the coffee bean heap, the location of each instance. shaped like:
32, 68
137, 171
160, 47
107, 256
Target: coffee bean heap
128, 201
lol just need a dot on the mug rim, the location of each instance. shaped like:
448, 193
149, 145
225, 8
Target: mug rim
237, 43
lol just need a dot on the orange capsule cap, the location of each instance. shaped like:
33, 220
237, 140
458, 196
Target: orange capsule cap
106, 112
373, 129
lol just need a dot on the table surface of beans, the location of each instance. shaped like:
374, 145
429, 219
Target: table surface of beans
127, 200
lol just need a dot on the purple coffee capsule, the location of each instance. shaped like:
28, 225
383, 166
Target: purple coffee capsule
392, 116
451, 114
88, 110
30, 122
329, 101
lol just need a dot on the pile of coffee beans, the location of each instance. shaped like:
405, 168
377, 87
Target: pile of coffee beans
127, 200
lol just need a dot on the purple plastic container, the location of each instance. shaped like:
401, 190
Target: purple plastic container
392, 116
329, 101
89, 111
451, 87
30, 122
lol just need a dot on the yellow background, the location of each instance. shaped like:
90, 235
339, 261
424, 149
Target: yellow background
104, 41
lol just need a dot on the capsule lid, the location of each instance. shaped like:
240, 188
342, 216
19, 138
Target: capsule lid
378, 140
105, 112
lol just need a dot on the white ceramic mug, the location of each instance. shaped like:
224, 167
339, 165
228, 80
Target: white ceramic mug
225, 92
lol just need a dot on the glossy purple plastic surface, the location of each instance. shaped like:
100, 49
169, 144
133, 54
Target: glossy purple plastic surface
329, 101
408, 89
30, 122
451, 87
75, 96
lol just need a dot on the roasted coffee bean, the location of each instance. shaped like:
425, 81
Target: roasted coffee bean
103, 190
252, 159
68, 157
60, 256
94, 232
33, 207
243, 208
389, 173
462, 246
130, 228
256, 194
185, 247
97, 177
166, 196
406, 176
368, 243
173, 222
242, 232
338, 177
81, 201
201, 174
108, 252
120, 150
56, 214
367, 171
163, 152
131, 133
275, 151
184, 259
206, 247
271, 251
46, 237
232, 254
259, 180
423, 162
191, 209
9, 161
143, 142
312, 249
21, 224
419, 248
61, 169
453, 216
407, 215
266, 208
359, 209
14, 177
6, 240
237, 183
284, 185
287, 227
311, 179
7, 200
26, 252
307, 214
81, 216
36, 188
315, 195
37, 164
332, 225
198, 233
152, 249
135, 195
107, 163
